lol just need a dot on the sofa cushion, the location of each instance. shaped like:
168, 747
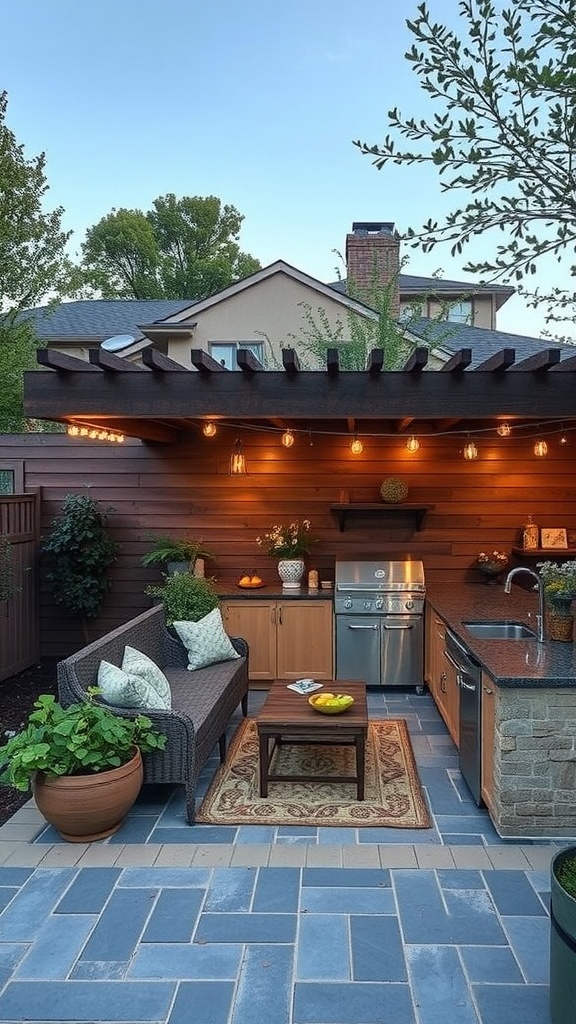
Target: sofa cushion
130, 689
206, 640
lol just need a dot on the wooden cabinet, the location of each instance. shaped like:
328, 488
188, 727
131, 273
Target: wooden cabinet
287, 639
440, 673
487, 740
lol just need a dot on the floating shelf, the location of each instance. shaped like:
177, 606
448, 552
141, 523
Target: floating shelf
416, 513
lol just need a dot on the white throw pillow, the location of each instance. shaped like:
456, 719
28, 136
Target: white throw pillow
206, 641
127, 691
137, 664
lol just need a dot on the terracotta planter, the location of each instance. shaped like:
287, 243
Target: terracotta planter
562, 946
88, 807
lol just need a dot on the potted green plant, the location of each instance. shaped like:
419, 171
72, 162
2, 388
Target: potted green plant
83, 764
185, 597
563, 936
177, 553
81, 553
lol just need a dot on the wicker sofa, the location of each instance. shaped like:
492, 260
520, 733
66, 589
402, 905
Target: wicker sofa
202, 700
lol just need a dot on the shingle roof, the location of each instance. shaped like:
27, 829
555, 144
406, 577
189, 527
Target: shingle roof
101, 318
481, 340
438, 285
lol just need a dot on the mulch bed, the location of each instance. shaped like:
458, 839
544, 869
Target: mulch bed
17, 696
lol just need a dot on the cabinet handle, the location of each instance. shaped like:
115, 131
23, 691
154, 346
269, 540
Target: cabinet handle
273, 616
443, 682
280, 615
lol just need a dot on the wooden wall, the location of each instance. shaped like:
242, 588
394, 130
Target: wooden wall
152, 488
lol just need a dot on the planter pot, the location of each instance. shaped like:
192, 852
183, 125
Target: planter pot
562, 946
291, 571
559, 627
88, 807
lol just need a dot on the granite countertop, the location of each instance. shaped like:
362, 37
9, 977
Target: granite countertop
274, 592
521, 663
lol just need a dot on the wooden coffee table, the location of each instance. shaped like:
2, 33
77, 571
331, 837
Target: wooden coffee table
287, 718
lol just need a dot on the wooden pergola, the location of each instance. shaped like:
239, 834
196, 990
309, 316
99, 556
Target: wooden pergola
161, 400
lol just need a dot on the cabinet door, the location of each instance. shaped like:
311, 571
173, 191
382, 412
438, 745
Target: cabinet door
452, 700
487, 744
304, 638
255, 621
434, 655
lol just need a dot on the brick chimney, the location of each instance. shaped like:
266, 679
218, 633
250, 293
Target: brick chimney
372, 259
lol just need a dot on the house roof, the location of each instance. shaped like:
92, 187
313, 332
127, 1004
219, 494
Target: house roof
482, 341
410, 284
101, 318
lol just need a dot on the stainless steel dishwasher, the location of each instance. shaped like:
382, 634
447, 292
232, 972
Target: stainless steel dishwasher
469, 679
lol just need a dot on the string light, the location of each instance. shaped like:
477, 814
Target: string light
238, 460
504, 429
288, 438
95, 435
412, 444
209, 429
541, 449
356, 446
470, 451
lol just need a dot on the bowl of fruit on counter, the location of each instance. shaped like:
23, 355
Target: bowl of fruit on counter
250, 581
331, 703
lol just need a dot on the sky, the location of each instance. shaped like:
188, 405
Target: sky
255, 102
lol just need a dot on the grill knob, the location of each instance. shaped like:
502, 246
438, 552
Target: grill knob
409, 605
367, 605
348, 602
379, 603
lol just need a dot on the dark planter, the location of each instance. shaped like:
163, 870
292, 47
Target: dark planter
562, 946
88, 807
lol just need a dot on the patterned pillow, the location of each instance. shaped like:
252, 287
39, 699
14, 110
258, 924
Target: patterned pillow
128, 690
206, 641
137, 664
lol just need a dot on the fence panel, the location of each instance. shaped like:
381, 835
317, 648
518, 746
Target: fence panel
19, 617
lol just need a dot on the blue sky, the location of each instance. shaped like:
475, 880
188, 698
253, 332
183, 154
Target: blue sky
255, 102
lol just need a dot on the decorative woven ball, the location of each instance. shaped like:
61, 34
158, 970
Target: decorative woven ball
393, 489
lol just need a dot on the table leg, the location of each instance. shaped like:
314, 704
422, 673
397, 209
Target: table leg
360, 764
263, 754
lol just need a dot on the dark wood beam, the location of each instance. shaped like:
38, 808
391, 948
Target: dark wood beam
445, 424
332, 362
404, 424
499, 361
351, 424
375, 362
63, 363
290, 360
459, 361
540, 361
247, 361
565, 364
416, 361
204, 363
156, 360
111, 363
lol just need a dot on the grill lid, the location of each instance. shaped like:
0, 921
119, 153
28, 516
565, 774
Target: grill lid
379, 576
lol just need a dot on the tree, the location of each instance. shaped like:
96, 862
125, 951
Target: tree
32, 258
181, 248
506, 132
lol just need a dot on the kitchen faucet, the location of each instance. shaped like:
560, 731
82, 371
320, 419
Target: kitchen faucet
540, 583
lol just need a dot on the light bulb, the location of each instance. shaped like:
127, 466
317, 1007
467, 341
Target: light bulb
288, 438
238, 460
470, 451
73, 430
209, 429
356, 446
541, 449
504, 429
412, 444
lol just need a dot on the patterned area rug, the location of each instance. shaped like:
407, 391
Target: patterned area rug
393, 795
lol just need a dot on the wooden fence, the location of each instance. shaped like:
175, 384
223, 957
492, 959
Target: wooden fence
19, 616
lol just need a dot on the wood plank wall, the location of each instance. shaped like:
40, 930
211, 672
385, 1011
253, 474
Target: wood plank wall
186, 488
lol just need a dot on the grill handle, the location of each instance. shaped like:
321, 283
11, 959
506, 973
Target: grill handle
374, 626
386, 626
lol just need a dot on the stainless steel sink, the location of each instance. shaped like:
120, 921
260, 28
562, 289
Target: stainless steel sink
500, 630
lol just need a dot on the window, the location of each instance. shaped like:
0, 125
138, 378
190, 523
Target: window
11, 477
461, 312
225, 352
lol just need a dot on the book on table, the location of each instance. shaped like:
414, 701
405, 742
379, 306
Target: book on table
304, 686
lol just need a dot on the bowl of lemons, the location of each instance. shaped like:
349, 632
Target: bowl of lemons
331, 703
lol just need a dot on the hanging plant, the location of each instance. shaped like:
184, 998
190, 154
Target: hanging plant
81, 552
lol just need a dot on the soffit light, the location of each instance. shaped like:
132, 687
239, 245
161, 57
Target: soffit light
412, 444
238, 460
288, 439
94, 434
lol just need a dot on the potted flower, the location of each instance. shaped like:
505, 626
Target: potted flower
289, 543
185, 597
559, 592
492, 563
83, 764
563, 936
178, 554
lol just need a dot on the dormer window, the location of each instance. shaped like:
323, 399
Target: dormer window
225, 352
461, 312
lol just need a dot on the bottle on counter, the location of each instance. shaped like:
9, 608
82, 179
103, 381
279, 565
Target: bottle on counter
313, 579
530, 534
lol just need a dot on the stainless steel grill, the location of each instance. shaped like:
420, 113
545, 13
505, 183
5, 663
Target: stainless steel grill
379, 622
